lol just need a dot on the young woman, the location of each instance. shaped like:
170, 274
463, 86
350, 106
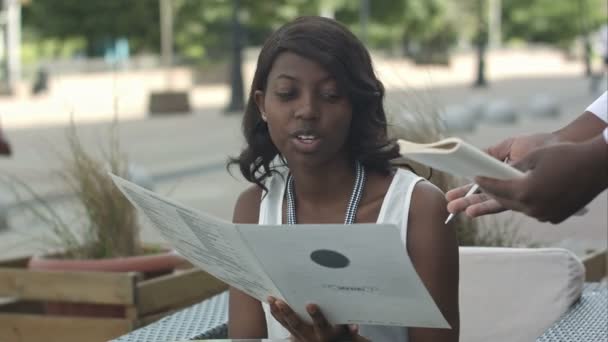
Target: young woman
317, 152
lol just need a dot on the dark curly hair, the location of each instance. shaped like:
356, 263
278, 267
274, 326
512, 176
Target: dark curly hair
337, 50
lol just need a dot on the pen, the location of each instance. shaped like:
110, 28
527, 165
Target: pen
471, 191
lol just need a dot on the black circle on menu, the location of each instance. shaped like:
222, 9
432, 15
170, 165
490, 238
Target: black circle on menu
330, 259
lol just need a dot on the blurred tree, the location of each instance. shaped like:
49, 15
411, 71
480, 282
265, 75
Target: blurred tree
202, 27
429, 30
557, 22
551, 21
98, 22
423, 29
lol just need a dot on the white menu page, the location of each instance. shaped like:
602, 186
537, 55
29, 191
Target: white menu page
357, 274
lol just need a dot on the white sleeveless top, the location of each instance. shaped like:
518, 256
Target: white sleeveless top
393, 210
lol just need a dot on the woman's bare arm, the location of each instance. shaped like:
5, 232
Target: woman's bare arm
433, 248
245, 315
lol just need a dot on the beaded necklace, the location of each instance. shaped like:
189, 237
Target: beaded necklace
353, 203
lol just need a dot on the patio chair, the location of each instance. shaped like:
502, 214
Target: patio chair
515, 294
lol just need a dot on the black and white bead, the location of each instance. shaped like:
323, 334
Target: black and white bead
353, 203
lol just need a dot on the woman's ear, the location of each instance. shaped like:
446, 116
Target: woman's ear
258, 96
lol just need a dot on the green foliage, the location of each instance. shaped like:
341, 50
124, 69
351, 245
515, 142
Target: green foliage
429, 30
202, 28
95, 21
197, 24
34, 50
551, 21
425, 20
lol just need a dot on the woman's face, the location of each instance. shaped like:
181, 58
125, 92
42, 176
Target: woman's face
308, 115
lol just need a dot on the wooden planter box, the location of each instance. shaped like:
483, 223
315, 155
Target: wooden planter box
596, 266
169, 103
23, 293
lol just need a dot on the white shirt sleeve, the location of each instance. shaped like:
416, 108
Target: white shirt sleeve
600, 107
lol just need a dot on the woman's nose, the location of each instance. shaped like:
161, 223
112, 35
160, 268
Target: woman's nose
307, 108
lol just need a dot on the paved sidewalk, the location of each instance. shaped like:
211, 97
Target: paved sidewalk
95, 97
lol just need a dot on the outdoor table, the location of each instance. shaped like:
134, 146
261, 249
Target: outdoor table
586, 320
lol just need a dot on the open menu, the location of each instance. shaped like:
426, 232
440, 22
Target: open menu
357, 274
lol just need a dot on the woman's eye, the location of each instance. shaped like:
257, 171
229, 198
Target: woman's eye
331, 96
285, 95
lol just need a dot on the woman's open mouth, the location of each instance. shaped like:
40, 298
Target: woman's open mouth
306, 139
306, 142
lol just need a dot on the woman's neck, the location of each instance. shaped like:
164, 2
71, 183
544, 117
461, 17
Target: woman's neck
324, 184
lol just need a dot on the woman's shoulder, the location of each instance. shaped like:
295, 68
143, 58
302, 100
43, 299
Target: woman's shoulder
423, 188
424, 197
379, 183
428, 203
427, 192
247, 207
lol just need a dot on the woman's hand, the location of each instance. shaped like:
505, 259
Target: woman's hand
320, 330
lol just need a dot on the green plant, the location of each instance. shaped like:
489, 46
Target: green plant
108, 218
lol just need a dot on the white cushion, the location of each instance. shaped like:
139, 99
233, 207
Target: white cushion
515, 294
